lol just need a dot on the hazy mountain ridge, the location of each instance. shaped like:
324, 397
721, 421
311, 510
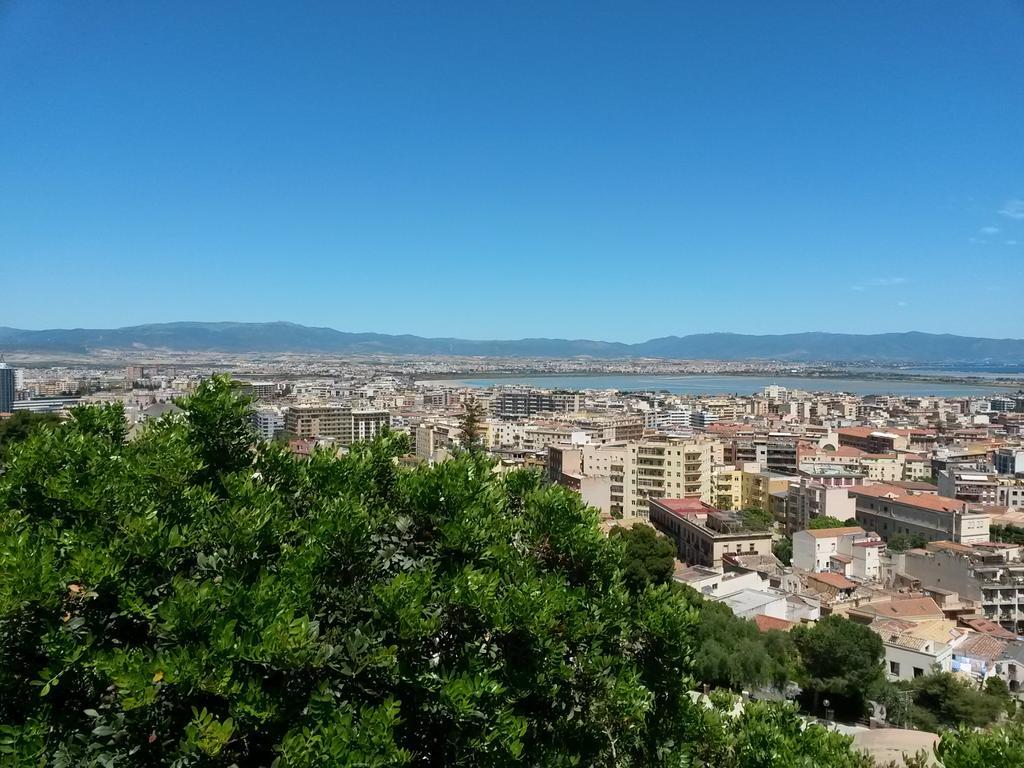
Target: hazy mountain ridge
291, 337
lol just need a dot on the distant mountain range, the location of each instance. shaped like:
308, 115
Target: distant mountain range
910, 347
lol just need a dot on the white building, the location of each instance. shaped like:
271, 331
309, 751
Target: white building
268, 422
848, 551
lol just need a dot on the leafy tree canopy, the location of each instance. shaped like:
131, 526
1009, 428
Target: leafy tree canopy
817, 523
18, 425
842, 661
901, 542
647, 556
942, 700
755, 519
783, 549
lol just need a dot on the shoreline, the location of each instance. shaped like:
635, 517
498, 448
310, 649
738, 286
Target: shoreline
974, 381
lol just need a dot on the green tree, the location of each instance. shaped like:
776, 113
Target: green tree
817, 523
943, 700
194, 597
756, 519
734, 654
842, 661
783, 549
20, 424
901, 542
647, 556
472, 426
1010, 534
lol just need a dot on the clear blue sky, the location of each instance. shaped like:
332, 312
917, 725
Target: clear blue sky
594, 169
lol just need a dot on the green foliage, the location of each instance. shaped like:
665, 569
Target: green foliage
760, 734
817, 523
783, 549
1010, 534
943, 700
1001, 747
755, 519
735, 654
842, 661
647, 556
20, 424
901, 542
472, 426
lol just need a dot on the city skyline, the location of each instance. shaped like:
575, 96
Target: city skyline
522, 171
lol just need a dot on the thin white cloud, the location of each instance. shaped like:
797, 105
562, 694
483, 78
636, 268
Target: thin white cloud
879, 282
901, 303
989, 230
1013, 209
1011, 242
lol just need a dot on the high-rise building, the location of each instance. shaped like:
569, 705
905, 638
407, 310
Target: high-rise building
345, 424
6, 388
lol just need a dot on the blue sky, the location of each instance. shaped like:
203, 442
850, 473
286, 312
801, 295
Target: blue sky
495, 170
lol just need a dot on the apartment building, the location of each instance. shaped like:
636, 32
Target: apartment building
434, 440
871, 440
661, 466
990, 575
1008, 461
705, 534
728, 487
345, 424
268, 422
808, 498
849, 551
882, 467
522, 404
890, 510
970, 485
759, 484
1010, 492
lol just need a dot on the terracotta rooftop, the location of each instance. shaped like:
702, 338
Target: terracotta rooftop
984, 626
980, 646
901, 496
834, 580
768, 623
902, 608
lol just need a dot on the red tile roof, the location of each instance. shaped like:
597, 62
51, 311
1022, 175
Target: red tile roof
834, 580
903, 608
768, 623
901, 496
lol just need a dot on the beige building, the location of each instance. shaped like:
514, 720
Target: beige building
704, 534
759, 484
656, 466
808, 499
666, 467
728, 487
882, 467
345, 424
890, 510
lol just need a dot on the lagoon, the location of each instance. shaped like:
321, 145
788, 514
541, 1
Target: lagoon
743, 385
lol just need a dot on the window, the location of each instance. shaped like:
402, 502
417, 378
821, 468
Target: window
918, 672
894, 668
